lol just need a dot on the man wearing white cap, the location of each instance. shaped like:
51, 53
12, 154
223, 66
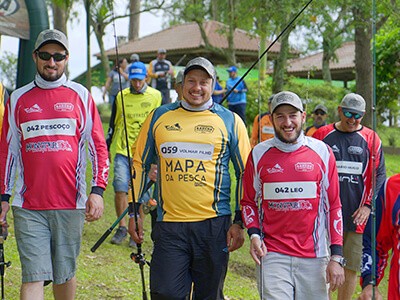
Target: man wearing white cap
47, 127
160, 74
354, 147
133, 103
297, 240
192, 141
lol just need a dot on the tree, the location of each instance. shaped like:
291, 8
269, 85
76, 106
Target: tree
134, 20
8, 69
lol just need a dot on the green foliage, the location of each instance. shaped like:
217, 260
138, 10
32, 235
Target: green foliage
313, 93
8, 69
388, 72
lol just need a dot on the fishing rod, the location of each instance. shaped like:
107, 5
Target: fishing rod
373, 116
109, 230
266, 50
133, 209
3, 264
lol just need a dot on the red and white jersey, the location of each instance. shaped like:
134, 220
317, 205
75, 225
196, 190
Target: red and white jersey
47, 132
299, 188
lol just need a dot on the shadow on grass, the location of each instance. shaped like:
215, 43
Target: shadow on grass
242, 269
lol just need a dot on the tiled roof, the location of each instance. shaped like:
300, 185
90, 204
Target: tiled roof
341, 69
186, 39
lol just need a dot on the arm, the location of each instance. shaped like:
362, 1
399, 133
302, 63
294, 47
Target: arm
239, 149
150, 72
334, 271
384, 235
107, 86
100, 164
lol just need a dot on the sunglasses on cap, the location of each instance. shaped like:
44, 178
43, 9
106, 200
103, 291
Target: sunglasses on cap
46, 56
350, 115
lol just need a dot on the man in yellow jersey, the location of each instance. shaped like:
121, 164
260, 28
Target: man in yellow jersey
138, 100
193, 142
3, 100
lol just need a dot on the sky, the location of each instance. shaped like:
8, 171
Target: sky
149, 23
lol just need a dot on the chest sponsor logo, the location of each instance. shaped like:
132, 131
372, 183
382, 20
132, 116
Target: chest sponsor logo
335, 149
304, 167
290, 205
275, 169
64, 107
355, 150
34, 108
187, 150
290, 190
145, 104
62, 126
349, 167
174, 127
204, 129
48, 146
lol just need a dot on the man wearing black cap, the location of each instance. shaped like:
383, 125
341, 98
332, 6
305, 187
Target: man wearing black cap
297, 241
161, 72
192, 141
354, 147
319, 114
47, 127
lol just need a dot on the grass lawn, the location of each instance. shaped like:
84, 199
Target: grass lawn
109, 273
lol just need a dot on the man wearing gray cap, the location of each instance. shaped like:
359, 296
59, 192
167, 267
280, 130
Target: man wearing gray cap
47, 126
354, 147
319, 114
161, 72
192, 141
297, 240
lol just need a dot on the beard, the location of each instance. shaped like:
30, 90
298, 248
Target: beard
50, 77
282, 138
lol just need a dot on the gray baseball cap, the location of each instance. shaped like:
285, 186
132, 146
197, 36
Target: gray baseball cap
201, 63
179, 77
51, 35
134, 57
286, 97
321, 107
354, 103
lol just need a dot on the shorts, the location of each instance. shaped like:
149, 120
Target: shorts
122, 173
289, 277
352, 250
48, 243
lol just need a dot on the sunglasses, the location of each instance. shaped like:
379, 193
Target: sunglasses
319, 112
350, 115
46, 56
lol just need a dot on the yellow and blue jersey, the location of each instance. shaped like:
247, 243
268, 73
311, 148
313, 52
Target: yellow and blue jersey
193, 150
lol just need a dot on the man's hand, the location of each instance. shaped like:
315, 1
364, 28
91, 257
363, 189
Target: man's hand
366, 293
94, 207
138, 237
257, 249
334, 275
235, 237
361, 215
5, 207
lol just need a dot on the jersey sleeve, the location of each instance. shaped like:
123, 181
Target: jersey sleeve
98, 152
335, 228
384, 236
251, 194
143, 157
240, 149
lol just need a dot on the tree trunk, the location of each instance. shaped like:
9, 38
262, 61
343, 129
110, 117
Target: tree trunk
263, 60
231, 33
326, 71
363, 62
60, 18
214, 10
134, 19
280, 65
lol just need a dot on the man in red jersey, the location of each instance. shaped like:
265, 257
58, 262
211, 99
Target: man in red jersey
354, 147
387, 239
47, 127
296, 240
